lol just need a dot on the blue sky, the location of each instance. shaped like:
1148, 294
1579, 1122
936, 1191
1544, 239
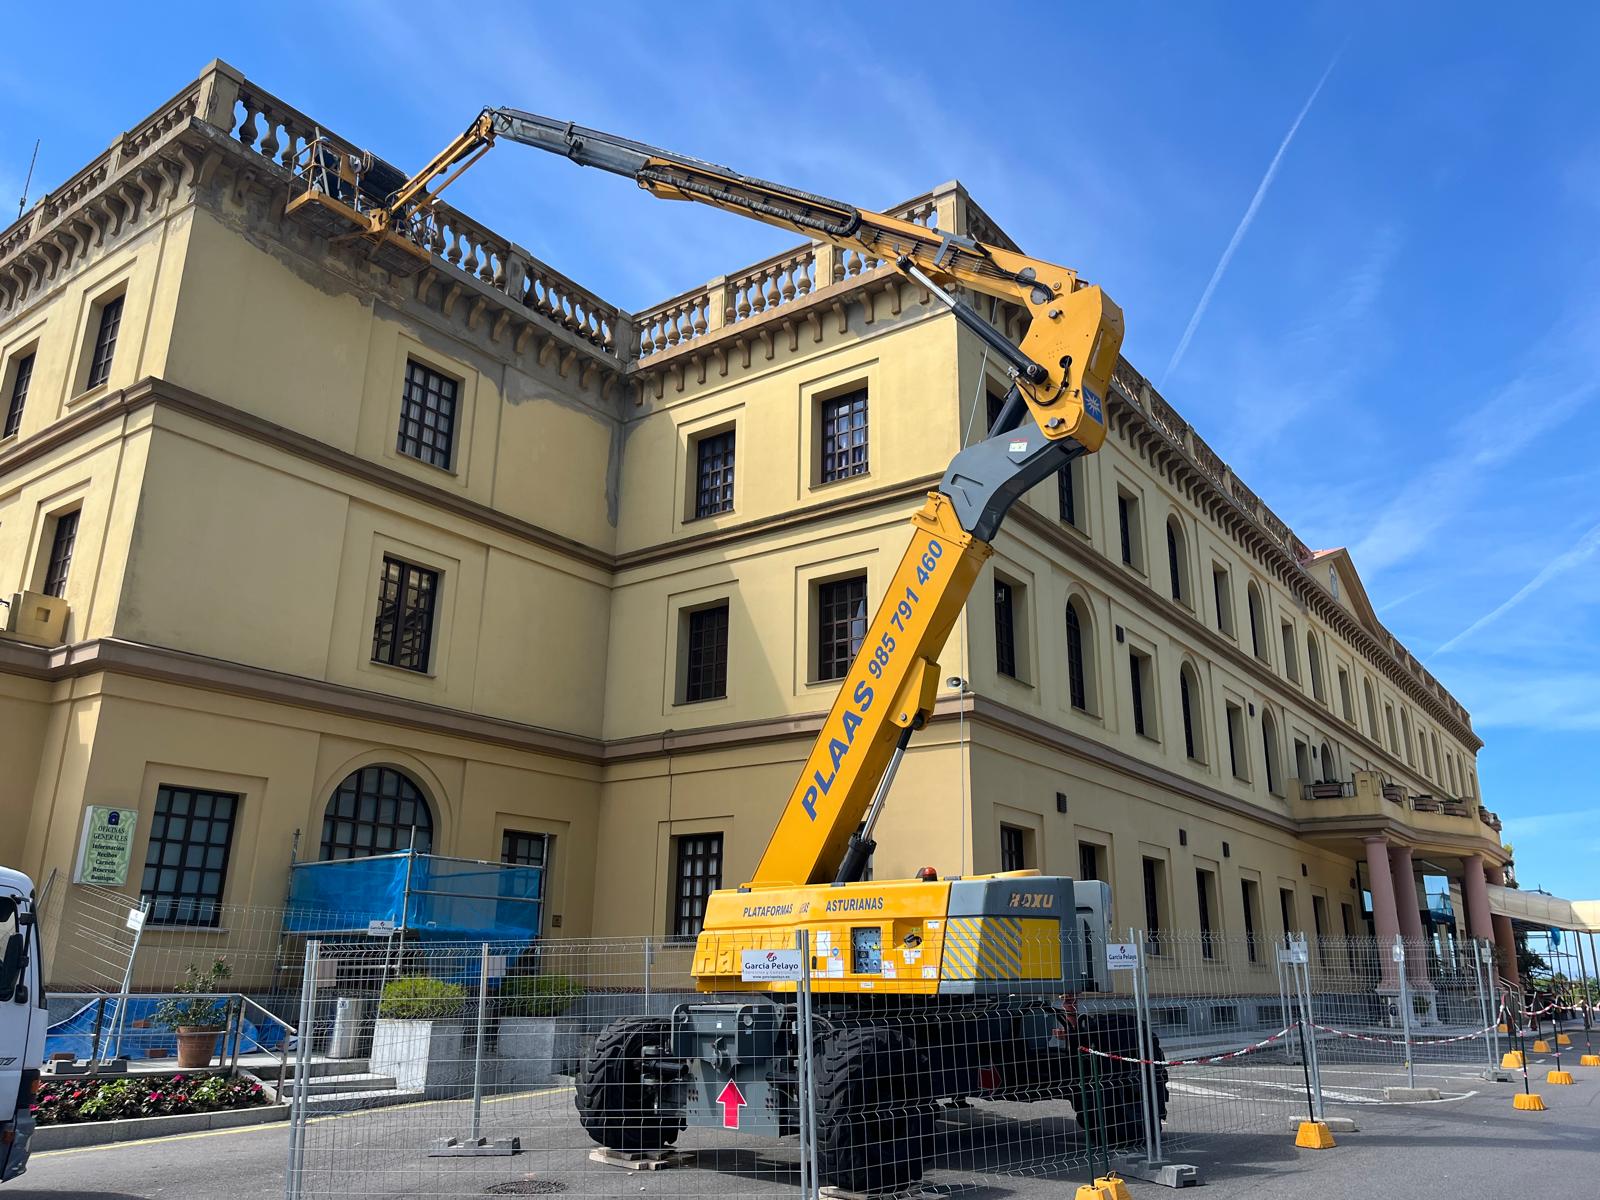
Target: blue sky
1402, 355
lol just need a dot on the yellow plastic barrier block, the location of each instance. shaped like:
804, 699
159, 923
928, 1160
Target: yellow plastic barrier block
1501, 1028
1528, 1102
1559, 1077
1563, 1040
1511, 1060
1105, 1187
1314, 1135
1541, 1047
1589, 1060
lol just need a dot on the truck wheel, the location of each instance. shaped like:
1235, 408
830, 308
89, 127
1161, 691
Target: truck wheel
874, 1120
616, 1107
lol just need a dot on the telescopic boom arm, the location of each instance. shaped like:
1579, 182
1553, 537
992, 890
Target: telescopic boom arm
1053, 413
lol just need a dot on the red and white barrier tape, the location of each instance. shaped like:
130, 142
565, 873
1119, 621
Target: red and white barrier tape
1366, 1037
1186, 1062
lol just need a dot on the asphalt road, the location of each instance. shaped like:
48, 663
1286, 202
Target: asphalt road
1472, 1144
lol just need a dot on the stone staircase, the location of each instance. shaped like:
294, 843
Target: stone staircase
341, 1085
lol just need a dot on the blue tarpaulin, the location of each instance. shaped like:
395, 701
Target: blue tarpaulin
423, 895
140, 1035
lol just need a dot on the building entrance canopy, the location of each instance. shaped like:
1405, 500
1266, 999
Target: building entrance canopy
1545, 911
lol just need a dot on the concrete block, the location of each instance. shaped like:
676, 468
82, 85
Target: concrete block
1402, 1095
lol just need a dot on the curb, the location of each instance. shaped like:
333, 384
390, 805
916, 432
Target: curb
100, 1133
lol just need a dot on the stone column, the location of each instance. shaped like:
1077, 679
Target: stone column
1476, 895
1504, 938
1410, 908
1385, 921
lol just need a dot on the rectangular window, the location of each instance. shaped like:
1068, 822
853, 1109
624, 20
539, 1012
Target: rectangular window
1139, 687
698, 873
1319, 921
714, 474
62, 542
1013, 848
1128, 531
1222, 594
1347, 705
706, 671
1005, 629
1236, 742
1291, 922
105, 343
403, 633
524, 849
844, 436
1205, 886
1154, 903
1394, 738
19, 395
1089, 861
841, 625
1252, 914
427, 415
1067, 494
1291, 661
186, 863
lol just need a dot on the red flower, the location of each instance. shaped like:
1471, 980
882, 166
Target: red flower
33, 1108
155, 1095
181, 1098
77, 1093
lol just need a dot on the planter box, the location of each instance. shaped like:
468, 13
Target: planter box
434, 1057
527, 1050
99, 1133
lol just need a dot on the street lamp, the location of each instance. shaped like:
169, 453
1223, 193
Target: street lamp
962, 691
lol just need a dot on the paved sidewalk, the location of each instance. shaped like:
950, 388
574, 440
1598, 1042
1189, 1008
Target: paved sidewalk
1458, 1150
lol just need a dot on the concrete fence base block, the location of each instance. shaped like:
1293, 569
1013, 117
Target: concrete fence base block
1401, 1095
1496, 1075
1173, 1175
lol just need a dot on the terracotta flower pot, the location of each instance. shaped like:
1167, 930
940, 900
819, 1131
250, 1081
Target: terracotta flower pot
196, 1045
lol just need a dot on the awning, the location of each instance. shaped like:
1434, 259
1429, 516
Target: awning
1549, 912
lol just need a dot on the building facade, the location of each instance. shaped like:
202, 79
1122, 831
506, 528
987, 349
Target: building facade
312, 560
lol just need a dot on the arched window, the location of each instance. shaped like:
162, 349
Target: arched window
1080, 657
1315, 661
1330, 773
1258, 621
376, 810
1269, 750
1194, 740
1178, 563
1372, 711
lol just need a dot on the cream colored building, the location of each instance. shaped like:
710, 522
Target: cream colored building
467, 552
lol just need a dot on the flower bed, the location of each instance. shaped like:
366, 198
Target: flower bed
73, 1100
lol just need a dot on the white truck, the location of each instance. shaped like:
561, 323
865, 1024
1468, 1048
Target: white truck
22, 1018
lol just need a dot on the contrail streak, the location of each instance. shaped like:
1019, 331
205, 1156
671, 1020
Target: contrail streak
1245, 221
1559, 565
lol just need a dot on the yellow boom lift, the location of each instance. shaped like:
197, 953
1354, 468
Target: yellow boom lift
989, 965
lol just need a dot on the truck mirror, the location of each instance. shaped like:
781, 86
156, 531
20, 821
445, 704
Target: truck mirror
11, 964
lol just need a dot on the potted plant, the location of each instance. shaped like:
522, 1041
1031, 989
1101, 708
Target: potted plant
529, 1033
420, 1035
196, 1014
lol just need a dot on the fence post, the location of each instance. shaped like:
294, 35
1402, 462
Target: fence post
477, 1048
1481, 958
805, 1079
302, 1051
1147, 1070
1405, 1007
1302, 976
127, 975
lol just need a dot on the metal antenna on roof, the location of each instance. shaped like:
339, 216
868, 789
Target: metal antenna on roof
22, 204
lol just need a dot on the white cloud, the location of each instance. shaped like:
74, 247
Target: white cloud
1245, 222
1559, 565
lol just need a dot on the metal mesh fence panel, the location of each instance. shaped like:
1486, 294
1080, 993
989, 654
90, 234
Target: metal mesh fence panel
1408, 1014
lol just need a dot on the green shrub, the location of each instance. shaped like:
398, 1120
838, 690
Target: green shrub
418, 998
192, 1005
537, 995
